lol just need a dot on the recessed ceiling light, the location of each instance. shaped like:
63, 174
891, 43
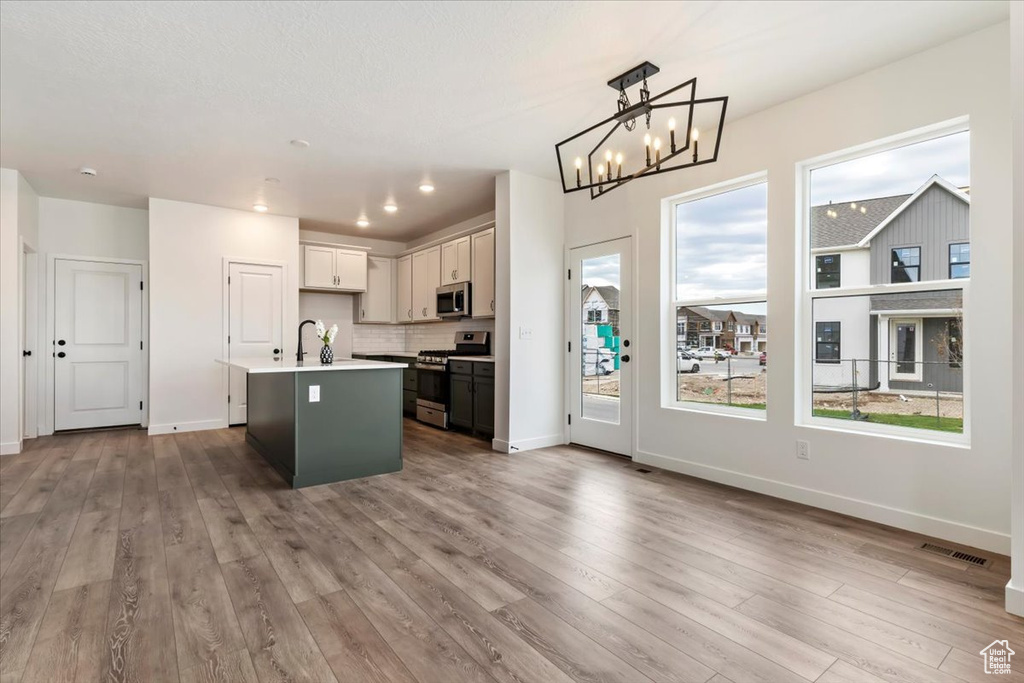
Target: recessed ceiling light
299, 143
262, 208
363, 223
91, 172
390, 207
426, 188
272, 181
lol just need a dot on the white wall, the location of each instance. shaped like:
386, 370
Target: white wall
962, 494
18, 223
1015, 589
74, 228
529, 267
456, 229
332, 309
187, 247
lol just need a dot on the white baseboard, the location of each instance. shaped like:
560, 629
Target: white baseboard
956, 532
1015, 599
10, 448
178, 427
536, 442
499, 445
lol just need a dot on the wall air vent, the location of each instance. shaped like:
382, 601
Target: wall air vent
955, 554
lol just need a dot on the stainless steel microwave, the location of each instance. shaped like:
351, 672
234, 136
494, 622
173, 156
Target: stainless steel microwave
453, 300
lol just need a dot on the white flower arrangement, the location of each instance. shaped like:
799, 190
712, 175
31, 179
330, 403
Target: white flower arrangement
326, 335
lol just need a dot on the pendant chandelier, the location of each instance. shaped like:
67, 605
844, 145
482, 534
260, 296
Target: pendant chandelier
607, 156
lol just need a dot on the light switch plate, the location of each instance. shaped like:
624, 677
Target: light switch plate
526, 333
314, 393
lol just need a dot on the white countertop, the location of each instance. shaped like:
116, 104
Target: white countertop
256, 365
475, 359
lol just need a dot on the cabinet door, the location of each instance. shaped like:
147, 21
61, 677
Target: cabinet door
426, 278
376, 305
463, 259
483, 275
460, 411
483, 405
319, 267
449, 263
350, 269
403, 299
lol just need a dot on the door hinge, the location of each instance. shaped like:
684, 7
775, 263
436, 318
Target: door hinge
140, 346
229, 339
570, 273
570, 347
140, 284
229, 398
140, 405
570, 418
229, 279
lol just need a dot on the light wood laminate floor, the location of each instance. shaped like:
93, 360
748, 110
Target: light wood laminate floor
185, 557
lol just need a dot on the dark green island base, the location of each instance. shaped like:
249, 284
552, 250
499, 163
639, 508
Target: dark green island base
355, 430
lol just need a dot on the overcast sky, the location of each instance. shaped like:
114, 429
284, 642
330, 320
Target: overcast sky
721, 245
898, 171
602, 271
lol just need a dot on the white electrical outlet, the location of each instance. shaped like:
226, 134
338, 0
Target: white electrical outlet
314, 393
803, 450
526, 333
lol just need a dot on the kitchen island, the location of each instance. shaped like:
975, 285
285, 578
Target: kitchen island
318, 424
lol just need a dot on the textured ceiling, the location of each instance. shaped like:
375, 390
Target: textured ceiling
197, 101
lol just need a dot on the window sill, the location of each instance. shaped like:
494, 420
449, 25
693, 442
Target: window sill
756, 414
934, 438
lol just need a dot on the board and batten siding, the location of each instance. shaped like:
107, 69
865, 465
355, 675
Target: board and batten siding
935, 220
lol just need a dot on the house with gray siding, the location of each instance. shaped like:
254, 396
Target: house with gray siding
900, 342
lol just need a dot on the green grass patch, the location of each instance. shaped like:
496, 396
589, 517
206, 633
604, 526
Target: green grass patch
755, 406
942, 424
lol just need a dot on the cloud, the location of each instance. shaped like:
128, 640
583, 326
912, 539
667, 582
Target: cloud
897, 171
721, 245
602, 271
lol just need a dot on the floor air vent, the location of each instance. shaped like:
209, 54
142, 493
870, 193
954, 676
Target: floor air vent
955, 554
641, 470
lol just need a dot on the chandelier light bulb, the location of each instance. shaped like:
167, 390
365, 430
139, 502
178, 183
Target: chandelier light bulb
618, 162
579, 163
672, 134
694, 135
608, 158
671, 124
657, 144
647, 147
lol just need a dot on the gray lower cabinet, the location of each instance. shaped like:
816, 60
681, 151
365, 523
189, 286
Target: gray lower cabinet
472, 397
409, 383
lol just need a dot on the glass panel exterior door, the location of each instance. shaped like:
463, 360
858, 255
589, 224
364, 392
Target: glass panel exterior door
601, 357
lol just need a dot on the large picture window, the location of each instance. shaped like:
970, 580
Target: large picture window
719, 286
886, 341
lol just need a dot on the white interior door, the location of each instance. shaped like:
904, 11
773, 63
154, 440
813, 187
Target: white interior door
97, 344
601, 351
255, 320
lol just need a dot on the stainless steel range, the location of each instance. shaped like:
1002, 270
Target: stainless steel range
432, 393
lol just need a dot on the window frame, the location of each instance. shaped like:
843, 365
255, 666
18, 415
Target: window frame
807, 294
893, 267
669, 378
838, 270
949, 259
837, 342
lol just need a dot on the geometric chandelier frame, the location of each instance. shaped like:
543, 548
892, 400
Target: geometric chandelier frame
599, 175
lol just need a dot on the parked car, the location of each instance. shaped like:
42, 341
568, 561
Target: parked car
711, 353
763, 360
687, 362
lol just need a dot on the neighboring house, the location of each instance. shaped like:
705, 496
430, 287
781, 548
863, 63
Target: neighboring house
698, 326
601, 305
920, 237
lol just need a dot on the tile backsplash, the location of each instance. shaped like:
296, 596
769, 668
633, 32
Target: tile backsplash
414, 337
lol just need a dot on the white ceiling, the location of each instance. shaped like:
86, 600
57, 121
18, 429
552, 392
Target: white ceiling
197, 101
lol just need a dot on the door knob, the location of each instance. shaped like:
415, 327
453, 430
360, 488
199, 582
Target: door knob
625, 359
61, 342
625, 342
277, 351
61, 354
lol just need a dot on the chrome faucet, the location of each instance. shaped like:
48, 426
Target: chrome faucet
300, 353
